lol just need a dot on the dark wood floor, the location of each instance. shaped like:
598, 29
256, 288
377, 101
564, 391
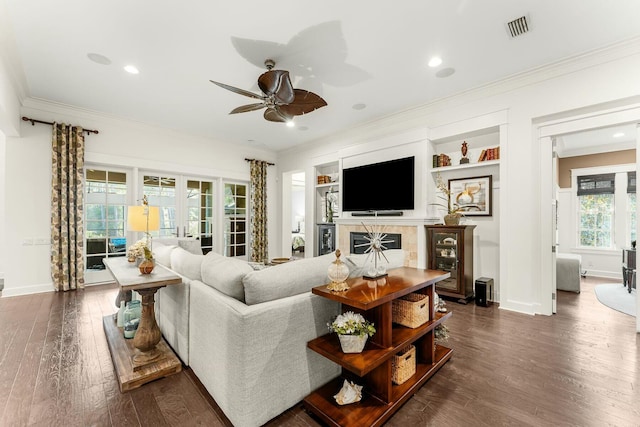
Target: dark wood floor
579, 367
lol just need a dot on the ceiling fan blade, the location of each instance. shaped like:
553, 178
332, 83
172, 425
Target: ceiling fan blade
238, 90
247, 108
273, 114
304, 102
278, 84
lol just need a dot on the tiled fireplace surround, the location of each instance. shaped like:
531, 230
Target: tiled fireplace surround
412, 231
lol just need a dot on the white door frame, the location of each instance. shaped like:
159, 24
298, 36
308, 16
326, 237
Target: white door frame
629, 113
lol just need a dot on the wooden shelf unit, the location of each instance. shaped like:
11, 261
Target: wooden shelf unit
372, 368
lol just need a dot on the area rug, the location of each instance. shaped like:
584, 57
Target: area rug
616, 296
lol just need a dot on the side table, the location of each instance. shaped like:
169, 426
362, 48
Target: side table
147, 356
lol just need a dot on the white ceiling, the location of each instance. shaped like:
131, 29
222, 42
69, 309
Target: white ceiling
349, 52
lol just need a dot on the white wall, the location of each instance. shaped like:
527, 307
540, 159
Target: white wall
120, 142
563, 89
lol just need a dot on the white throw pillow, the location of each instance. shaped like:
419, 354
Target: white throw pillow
162, 253
225, 274
186, 264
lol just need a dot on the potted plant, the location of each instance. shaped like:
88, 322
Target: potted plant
454, 212
353, 330
142, 255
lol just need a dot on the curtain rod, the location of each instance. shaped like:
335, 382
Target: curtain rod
251, 160
34, 121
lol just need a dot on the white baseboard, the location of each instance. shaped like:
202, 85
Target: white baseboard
27, 290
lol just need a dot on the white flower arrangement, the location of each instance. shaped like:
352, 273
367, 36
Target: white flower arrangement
351, 323
139, 250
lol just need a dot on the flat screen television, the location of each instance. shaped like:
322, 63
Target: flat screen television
384, 186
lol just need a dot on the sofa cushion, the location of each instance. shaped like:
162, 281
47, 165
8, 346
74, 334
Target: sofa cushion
225, 274
186, 264
162, 253
284, 280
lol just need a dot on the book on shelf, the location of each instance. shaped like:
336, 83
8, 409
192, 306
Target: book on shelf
489, 154
440, 160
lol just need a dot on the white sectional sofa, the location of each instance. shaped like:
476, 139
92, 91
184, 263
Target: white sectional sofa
244, 332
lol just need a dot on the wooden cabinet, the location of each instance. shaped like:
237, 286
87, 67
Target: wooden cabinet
373, 367
450, 248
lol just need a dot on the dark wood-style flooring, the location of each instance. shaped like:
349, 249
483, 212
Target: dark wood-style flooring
579, 367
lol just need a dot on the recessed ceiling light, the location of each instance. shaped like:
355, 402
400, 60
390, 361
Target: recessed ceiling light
435, 61
290, 124
303, 128
99, 59
618, 134
131, 69
445, 72
359, 106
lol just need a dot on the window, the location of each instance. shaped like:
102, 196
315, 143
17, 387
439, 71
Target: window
235, 220
104, 216
200, 213
596, 198
596, 220
161, 192
187, 206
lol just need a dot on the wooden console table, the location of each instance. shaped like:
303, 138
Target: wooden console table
147, 356
372, 368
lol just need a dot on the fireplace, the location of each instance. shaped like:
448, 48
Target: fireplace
357, 239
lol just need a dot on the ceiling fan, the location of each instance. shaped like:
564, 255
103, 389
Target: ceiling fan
280, 99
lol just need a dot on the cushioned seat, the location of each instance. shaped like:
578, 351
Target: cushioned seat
568, 272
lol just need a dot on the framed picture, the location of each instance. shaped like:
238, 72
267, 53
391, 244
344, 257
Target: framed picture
474, 195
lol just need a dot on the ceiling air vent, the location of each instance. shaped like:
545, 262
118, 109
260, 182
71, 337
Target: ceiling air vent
518, 26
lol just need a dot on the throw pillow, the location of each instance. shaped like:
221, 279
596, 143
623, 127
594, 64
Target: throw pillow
162, 253
186, 264
225, 274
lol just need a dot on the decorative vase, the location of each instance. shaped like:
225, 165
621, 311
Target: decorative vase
338, 273
452, 219
353, 343
146, 266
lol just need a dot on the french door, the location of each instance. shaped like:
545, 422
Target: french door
186, 204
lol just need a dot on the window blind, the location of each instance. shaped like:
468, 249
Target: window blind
631, 182
596, 184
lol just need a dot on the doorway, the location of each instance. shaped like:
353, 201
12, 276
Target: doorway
628, 113
293, 214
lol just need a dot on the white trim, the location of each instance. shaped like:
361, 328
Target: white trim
624, 111
27, 290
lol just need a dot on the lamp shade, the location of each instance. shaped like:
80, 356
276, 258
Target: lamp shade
143, 218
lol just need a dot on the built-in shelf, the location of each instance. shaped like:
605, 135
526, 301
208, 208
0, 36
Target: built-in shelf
466, 166
329, 184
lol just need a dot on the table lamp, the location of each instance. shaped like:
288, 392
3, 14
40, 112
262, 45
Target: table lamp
143, 218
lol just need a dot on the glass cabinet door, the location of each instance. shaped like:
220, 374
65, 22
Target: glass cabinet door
444, 256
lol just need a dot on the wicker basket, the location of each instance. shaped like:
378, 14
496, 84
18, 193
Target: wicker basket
403, 365
411, 310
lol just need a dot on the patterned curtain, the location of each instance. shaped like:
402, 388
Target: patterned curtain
259, 250
67, 191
